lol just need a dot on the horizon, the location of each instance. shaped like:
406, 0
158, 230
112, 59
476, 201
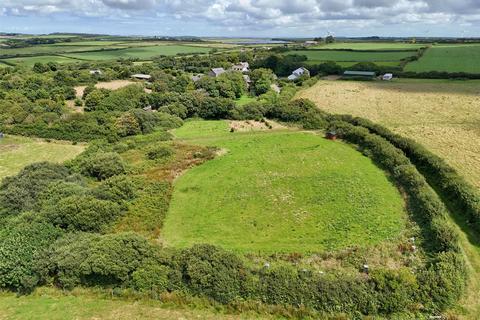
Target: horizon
244, 18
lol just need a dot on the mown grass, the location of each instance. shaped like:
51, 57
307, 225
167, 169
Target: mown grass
448, 58
443, 115
52, 304
17, 152
280, 191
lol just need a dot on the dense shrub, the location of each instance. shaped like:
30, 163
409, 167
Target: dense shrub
159, 152
103, 165
20, 192
117, 189
91, 259
21, 245
82, 213
212, 272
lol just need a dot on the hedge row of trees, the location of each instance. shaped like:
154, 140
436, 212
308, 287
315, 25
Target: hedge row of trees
446, 180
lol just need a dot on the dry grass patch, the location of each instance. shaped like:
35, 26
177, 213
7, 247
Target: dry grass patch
442, 115
110, 85
251, 125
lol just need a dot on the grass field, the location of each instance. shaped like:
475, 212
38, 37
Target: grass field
443, 115
17, 152
30, 61
317, 56
448, 58
280, 191
140, 53
372, 46
51, 304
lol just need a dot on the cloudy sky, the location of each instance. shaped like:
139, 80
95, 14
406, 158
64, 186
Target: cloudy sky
262, 18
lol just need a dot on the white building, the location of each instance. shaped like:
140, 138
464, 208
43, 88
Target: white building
241, 67
141, 76
298, 73
387, 77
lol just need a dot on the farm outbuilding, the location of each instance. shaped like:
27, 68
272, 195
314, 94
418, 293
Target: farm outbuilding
141, 76
215, 72
387, 77
359, 74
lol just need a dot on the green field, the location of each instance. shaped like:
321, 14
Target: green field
140, 53
30, 61
280, 191
17, 152
318, 56
448, 58
372, 46
51, 304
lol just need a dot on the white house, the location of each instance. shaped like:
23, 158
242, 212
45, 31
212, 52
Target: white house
310, 43
215, 72
141, 76
241, 67
96, 72
387, 77
298, 73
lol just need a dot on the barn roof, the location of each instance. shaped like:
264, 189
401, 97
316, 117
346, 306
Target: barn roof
360, 73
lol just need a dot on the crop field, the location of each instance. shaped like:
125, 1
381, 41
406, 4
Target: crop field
443, 115
318, 56
280, 191
448, 58
17, 152
372, 46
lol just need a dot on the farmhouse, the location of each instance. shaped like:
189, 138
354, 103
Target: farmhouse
215, 72
241, 67
141, 76
359, 74
387, 77
299, 73
96, 72
310, 43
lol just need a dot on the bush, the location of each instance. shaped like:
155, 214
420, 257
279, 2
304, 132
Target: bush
117, 189
152, 278
90, 259
159, 152
20, 193
82, 213
212, 272
103, 165
21, 246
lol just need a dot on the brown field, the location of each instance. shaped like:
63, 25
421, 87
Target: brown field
111, 85
442, 115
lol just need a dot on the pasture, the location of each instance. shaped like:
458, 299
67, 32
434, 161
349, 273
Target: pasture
280, 191
318, 56
372, 46
142, 53
30, 61
17, 152
443, 115
448, 58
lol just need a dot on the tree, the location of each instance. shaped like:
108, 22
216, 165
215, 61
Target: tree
103, 165
262, 79
127, 125
330, 39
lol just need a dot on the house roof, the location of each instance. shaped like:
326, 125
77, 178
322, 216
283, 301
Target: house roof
360, 73
218, 71
142, 76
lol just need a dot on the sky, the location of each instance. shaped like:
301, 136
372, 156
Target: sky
244, 18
